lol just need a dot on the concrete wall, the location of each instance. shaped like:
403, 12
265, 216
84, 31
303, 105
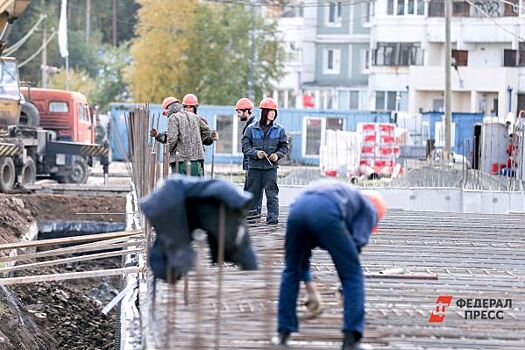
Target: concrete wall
438, 199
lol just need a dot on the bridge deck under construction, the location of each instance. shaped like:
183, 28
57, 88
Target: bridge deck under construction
430, 254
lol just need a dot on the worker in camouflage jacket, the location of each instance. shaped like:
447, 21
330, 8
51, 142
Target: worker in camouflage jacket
185, 135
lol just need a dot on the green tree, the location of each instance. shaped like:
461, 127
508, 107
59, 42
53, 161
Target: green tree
220, 54
201, 48
159, 50
110, 82
79, 80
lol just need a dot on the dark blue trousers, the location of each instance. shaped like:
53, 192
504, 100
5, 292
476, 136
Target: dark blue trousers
316, 221
259, 180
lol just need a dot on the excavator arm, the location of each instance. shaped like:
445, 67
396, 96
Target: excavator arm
11, 9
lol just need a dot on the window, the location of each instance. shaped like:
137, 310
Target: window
460, 9
9, 79
510, 58
521, 55
334, 12
438, 105
225, 129
332, 61
313, 136
420, 7
369, 10
83, 112
410, 7
334, 124
460, 58
354, 100
390, 7
398, 54
365, 61
400, 7
511, 10
386, 100
292, 9
58, 107
436, 8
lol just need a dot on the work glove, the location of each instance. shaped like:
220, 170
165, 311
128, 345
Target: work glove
153, 133
314, 306
260, 154
273, 157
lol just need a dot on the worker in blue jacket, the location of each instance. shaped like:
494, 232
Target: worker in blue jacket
264, 143
336, 217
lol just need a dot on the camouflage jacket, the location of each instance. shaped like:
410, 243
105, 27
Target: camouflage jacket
185, 135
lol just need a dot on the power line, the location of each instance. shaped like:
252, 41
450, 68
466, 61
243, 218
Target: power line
11, 49
30, 58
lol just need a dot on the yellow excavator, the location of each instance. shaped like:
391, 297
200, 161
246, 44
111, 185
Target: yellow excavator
11, 9
10, 98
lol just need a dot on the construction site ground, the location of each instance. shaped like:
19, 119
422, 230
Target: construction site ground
58, 315
471, 257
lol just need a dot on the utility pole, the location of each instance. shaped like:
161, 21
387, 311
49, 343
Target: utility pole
251, 40
447, 95
44, 50
115, 23
88, 19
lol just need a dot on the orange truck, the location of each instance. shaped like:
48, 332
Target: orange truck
67, 113
43, 132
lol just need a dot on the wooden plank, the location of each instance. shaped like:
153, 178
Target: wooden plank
82, 248
66, 240
69, 276
68, 260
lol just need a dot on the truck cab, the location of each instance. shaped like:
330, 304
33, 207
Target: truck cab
10, 97
65, 112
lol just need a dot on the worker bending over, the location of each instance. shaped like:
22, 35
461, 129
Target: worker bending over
336, 217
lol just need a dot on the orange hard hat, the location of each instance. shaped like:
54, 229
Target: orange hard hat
190, 100
168, 101
244, 103
268, 103
379, 204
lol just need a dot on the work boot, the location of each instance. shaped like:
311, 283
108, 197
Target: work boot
281, 339
314, 306
352, 341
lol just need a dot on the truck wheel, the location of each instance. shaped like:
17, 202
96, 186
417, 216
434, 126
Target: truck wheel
29, 115
28, 173
79, 173
7, 174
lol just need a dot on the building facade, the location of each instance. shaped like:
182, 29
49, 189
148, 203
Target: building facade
328, 43
488, 60
388, 55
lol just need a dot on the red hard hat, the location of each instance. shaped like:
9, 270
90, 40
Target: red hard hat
378, 202
244, 103
167, 101
190, 100
268, 103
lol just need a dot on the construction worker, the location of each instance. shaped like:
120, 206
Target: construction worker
265, 142
185, 135
336, 217
190, 102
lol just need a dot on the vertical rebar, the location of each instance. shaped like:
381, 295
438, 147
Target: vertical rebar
220, 262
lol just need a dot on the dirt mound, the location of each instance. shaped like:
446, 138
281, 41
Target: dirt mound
18, 330
67, 207
15, 218
71, 312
